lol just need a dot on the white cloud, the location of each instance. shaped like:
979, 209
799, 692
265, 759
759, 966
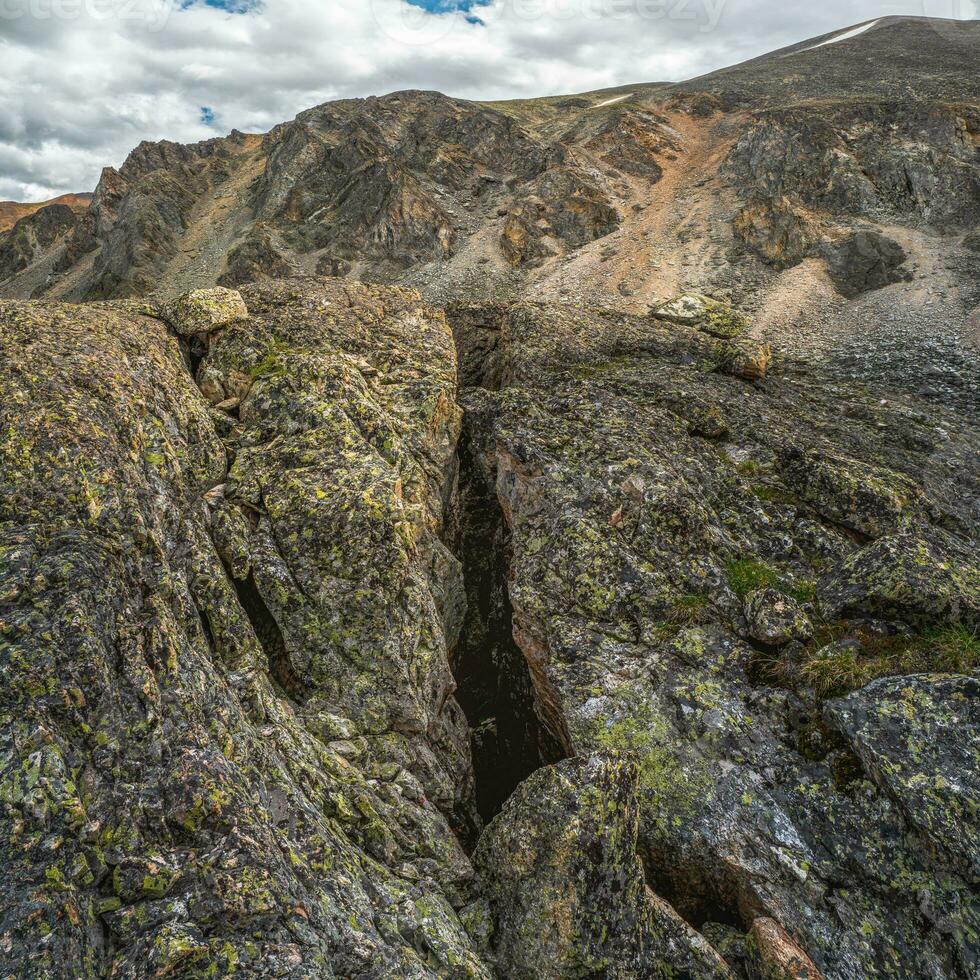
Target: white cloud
85, 80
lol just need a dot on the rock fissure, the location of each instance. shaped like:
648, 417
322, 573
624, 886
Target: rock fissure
510, 736
696, 650
269, 635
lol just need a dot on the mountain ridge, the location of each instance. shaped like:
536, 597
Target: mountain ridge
802, 192
12, 211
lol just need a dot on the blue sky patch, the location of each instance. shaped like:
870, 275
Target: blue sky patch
448, 6
207, 115
231, 6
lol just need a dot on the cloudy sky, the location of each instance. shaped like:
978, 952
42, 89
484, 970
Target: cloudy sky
85, 80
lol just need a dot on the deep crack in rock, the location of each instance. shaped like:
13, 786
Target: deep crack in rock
509, 736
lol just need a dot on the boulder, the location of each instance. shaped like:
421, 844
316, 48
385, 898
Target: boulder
863, 261
704, 313
925, 576
782, 233
746, 359
775, 619
202, 311
561, 872
918, 738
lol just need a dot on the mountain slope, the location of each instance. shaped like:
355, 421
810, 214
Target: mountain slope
722, 183
891, 58
12, 211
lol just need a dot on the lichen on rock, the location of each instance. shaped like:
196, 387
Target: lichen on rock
204, 310
170, 801
236, 645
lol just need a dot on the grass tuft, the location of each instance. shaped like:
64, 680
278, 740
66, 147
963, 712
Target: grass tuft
747, 575
834, 672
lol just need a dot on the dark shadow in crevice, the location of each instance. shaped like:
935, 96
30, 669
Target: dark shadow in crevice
206, 627
269, 636
510, 736
696, 896
197, 348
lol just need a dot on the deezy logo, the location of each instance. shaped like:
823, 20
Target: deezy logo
153, 14
410, 23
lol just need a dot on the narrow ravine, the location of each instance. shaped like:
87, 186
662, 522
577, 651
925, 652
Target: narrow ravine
510, 739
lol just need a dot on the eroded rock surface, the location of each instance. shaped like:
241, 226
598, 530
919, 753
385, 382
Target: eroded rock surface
713, 631
229, 742
680, 598
563, 879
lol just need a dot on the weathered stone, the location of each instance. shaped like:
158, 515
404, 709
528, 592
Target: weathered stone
782, 233
775, 619
919, 740
748, 360
630, 548
560, 868
864, 260
780, 958
175, 792
868, 499
203, 311
710, 315
920, 575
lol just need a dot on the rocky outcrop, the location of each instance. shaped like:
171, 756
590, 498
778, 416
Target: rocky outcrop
664, 594
388, 185
150, 217
561, 209
565, 884
782, 233
257, 257
382, 181
627, 139
229, 741
864, 260
257, 712
916, 575
807, 168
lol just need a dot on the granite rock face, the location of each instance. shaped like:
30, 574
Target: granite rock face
562, 875
673, 597
229, 742
643, 666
